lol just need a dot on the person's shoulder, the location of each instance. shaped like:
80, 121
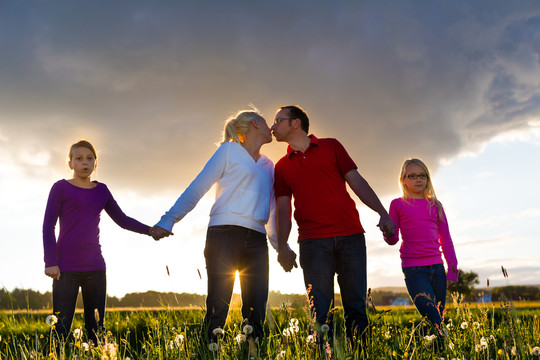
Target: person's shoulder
266, 160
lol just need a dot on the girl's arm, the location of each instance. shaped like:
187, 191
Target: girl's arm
210, 174
448, 250
122, 220
52, 212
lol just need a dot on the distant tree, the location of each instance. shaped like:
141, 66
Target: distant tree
465, 283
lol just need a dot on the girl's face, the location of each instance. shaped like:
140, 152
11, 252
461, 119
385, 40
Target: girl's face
82, 162
415, 181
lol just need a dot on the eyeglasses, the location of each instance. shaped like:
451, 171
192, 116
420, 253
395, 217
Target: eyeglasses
414, 176
278, 120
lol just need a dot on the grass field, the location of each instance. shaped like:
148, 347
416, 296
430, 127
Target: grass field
504, 330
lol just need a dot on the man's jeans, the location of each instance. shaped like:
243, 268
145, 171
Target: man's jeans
230, 248
94, 294
427, 288
321, 259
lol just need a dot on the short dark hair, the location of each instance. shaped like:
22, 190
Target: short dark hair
296, 112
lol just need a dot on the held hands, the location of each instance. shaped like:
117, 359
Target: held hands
287, 258
157, 232
386, 225
53, 271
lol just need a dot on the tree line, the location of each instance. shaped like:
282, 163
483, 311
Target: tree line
20, 299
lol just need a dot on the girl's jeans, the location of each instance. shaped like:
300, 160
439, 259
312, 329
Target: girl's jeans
427, 288
94, 293
230, 248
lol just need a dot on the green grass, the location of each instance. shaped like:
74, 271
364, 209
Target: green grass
503, 330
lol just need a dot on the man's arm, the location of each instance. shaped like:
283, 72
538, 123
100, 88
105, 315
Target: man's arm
286, 257
366, 194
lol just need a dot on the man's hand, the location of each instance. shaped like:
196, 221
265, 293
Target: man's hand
53, 271
157, 232
287, 258
387, 225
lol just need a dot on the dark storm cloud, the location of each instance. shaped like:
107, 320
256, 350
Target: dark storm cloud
153, 82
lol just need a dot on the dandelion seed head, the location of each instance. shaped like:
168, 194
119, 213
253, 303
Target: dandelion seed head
293, 322
179, 339
513, 351
51, 320
213, 346
476, 325
311, 339
535, 351
218, 332
464, 325
248, 329
287, 332
325, 328
240, 338
77, 333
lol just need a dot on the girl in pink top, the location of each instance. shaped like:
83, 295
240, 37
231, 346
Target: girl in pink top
420, 218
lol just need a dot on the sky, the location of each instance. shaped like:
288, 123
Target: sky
150, 84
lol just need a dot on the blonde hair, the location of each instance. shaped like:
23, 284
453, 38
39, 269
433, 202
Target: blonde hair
237, 126
429, 192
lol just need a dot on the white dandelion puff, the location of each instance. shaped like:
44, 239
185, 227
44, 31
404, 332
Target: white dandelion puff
535, 351
240, 338
464, 325
218, 332
476, 325
483, 343
77, 333
287, 332
325, 328
213, 346
85, 346
51, 320
248, 329
293, 322
179, 339
311, 339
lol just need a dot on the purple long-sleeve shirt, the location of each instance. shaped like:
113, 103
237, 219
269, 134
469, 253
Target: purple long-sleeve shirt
424, 235
79, 209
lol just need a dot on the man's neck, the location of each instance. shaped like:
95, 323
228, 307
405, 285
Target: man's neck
300, 143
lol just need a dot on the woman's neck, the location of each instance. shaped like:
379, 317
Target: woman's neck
253, 148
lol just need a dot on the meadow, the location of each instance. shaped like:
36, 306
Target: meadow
502, 330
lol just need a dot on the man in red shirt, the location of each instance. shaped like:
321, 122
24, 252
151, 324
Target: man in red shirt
331, 238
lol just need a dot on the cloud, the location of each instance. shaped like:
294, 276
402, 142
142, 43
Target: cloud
151, 84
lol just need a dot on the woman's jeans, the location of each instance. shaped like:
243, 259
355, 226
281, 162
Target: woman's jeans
320, 260
94, 293
427, 288
230, 248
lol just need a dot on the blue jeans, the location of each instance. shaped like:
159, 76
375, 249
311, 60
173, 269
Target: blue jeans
94, 294
320, 260
230, 248
427, 288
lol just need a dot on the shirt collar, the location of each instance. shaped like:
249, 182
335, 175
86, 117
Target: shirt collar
313, 141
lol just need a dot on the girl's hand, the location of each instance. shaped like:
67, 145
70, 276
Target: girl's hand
157, 232
53, 271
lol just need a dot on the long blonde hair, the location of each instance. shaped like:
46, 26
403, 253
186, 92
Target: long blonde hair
429, 192
237, 126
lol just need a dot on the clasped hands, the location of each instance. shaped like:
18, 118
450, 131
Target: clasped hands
157, 232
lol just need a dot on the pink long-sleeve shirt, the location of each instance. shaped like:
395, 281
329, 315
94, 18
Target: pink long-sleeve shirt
424, 237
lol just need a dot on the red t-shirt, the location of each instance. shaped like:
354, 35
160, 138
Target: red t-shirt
316, 180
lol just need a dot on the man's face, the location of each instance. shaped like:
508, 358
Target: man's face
282, 125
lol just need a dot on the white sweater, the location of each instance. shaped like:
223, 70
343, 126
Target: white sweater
244, 192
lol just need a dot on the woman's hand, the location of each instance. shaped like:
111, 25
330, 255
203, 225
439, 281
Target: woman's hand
53, 271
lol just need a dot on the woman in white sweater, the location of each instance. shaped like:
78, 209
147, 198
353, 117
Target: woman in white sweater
241, 216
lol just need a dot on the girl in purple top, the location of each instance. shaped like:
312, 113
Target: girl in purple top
420, 218
75, 259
